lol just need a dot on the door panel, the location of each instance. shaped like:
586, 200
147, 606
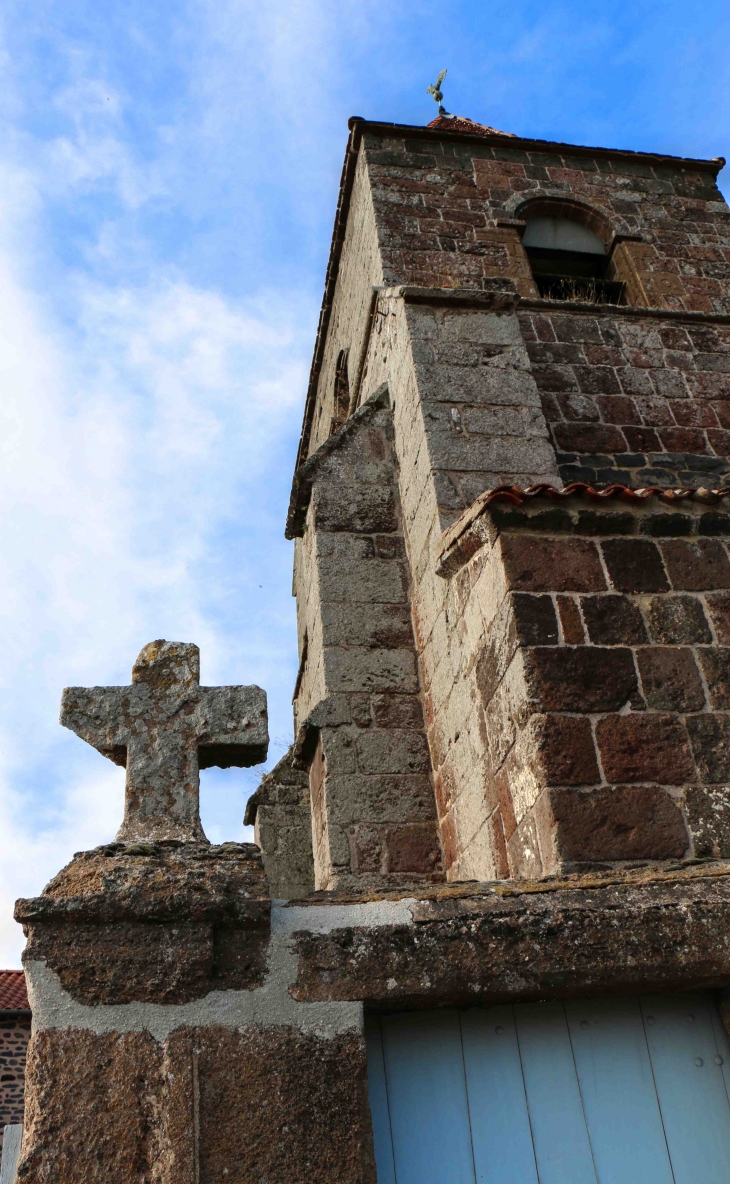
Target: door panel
617, 1088
690, 1086
429, 1114
610, 1091
559, 1134
500, 1124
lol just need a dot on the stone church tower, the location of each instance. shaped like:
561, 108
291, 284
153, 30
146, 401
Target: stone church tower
488, 922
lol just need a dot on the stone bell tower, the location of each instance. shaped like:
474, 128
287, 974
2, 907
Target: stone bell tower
515, 681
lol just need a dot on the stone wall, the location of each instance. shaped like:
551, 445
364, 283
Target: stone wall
630, 399
439, 201
600, 635
281, 815
358, 710
14, 1037
166, 1047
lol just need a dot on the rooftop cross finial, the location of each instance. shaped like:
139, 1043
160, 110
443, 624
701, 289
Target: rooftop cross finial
435, 90
164, 728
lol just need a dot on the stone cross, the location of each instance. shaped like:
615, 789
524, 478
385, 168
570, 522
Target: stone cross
164, 728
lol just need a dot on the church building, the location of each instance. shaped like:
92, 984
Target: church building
484, 934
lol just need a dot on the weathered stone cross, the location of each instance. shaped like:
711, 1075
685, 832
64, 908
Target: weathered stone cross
164, 728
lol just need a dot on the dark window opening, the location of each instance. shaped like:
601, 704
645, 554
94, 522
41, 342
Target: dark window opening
342, 392
569, 262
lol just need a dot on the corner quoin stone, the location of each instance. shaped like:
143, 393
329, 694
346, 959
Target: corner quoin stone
163, 729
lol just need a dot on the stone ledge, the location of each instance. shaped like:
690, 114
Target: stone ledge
162, 922
502, 944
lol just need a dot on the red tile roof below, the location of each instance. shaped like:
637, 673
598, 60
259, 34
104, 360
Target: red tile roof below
13, 995
457, 123
517, 496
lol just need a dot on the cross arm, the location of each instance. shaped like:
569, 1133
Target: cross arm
99, 716
232, 727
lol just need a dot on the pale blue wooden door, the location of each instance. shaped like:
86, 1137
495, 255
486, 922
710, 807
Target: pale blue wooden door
617, 1091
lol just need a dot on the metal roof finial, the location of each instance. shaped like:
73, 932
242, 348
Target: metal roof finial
435, 91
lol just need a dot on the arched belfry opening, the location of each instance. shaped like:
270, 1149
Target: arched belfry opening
570, 260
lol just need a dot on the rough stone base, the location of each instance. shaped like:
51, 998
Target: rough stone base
211, 1106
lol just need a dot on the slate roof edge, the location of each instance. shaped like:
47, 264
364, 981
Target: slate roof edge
450, 559
527, 143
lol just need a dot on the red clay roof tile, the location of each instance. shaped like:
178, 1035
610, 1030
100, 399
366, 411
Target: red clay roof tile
517, 496
457, 123
13, 993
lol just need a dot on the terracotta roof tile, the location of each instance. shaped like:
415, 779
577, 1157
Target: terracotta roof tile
457, 123
13, 994
517, 497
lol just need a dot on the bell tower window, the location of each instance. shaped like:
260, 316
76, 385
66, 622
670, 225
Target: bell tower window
569, 261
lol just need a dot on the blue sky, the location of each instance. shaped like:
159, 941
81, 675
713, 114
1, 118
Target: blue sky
169, 179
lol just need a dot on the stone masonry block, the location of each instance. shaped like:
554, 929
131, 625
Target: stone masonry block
670, 679
397, 711
364, 508
718, 604
696, 567
360, 669
715, 663
613, 620
485, 327
564, 745
708, 817
570, 620
460, 384
581, 679
622, 822
523, 851
679, 620
409, 849
645, 747
534, 618
369, 581
380, 798
710, 738
383, 626
551, 565
498, 454
392, 750
635, 565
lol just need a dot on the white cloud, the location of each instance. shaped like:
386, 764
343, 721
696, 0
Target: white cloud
134, 441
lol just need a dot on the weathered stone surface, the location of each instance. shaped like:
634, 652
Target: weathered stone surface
698, 566
715, 663
210, 1104
505, 942
280, 811
164, 728
677, 620
550, 565
670, 679
613, 620
153, 922
580, 679
618, 823
708, 818
643, 746
121, 1093
635, 565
